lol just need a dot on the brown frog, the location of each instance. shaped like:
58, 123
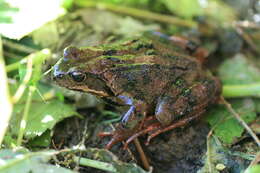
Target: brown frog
157, 77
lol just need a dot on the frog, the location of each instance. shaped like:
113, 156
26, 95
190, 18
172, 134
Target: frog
161, 80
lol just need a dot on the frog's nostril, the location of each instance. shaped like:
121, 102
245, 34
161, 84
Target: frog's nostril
70, 52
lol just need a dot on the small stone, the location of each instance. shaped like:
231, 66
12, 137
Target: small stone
220, 166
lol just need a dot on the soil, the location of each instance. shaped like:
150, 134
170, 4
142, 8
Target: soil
179, 150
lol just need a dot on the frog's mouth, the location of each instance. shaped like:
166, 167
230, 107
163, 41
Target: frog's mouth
88, 90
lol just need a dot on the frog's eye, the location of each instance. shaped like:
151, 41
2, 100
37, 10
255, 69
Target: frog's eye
78, 76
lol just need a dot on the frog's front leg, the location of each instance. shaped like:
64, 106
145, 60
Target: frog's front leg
131, 122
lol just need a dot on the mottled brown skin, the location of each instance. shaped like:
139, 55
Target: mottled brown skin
163, 85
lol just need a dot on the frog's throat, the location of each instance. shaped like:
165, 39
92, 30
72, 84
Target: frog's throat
91, 91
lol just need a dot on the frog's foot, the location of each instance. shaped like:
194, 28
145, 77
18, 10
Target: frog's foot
177, 124
157, 128
150, 128
119, 135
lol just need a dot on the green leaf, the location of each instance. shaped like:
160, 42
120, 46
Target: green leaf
229, 129
184, 8
24, 162
41, 141
9, 141
47, 35
253, 169
238, 70
67, 4
44, 115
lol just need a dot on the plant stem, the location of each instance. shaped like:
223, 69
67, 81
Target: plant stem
245, 90
12, 67
142, 154
95, 164
140, 13
6, 106
19, 92
25, 115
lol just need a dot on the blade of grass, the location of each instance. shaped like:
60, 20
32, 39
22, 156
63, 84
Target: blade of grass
25, 115
19, 92
6, 106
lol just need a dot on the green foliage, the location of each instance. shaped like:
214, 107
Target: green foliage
184, 8
238, 70
227, 127
235, 71
42, 115
47, 35
117, 165
23, 161
215, 155
41, 141
253, 169
67, 4
6, 12
38, 59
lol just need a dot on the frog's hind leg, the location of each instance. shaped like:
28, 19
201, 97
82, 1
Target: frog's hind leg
191, 47
176, 112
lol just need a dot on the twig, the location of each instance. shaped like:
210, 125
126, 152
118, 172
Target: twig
247, 39
246, 24
142, 154
240, 120
137, 13
256, 160
6, 106
208, 154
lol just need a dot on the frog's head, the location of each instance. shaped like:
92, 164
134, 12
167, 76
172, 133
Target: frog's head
76, 71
